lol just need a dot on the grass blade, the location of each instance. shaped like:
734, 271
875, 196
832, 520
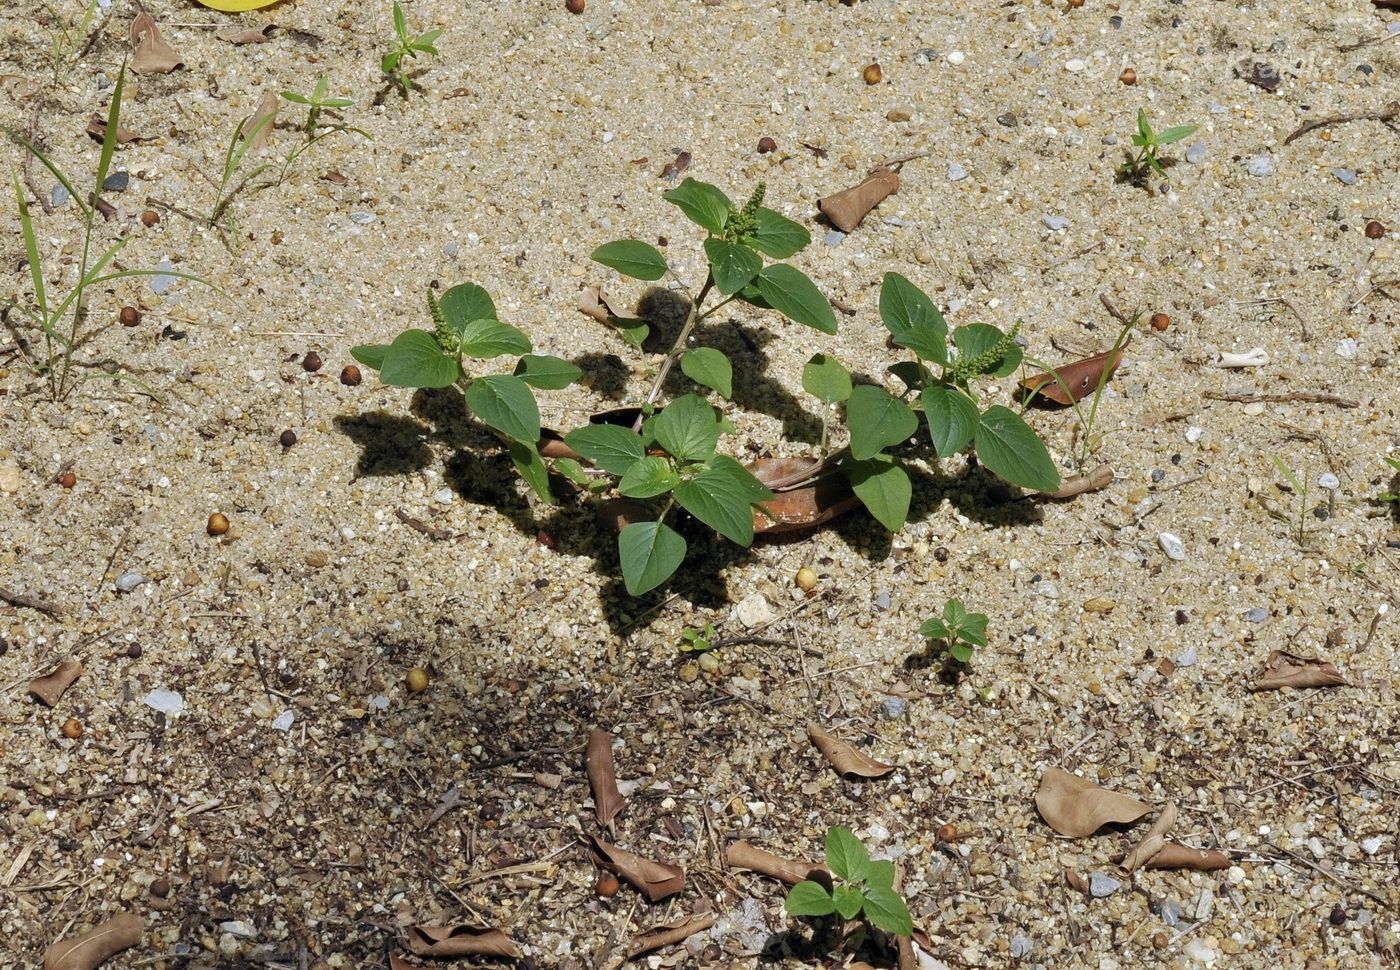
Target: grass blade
31, 251
109, 137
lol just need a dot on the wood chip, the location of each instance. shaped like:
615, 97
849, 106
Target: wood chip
51, 687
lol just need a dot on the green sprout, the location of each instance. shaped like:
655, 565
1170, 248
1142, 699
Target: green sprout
958, 630
866, 889
698, 641
1147, 142
408, 46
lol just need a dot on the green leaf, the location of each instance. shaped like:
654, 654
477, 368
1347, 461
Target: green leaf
847, 900
688, 428
733, 264
371, 355
1144, 129
632, 257
935, 629
809, 898
977, 338
414, 359
295, 98
722, 496
883, 487
400, 24
1009, 448
531, 466
650, 553
649, 477
793, 295
973, 630
952, 418
825, 379
506, 404
486, 339
1288, 475
880, 874
464, 303
707, 366
546, 372
845, 855
703, 204
109, 135
877, 420
573, 471
777, 236
611, 448
913, 319
911, 373
1175, 134
887, 911
961, 652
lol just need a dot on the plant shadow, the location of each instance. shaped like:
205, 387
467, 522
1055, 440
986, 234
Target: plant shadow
389, 444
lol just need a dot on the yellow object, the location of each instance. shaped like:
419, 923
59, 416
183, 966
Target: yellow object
235, 6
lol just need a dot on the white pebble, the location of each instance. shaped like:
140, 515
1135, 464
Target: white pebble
956, 57
165, 701
1172, 546
1074, 65
1328, 480
1346, 348
1193, 434
283, 721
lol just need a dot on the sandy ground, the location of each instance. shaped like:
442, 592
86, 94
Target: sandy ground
287, 811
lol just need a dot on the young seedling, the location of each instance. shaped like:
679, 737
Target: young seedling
957, 630
1392, 497
233, 180
698, 641
1300, 488
465, 328
69, 39
1147, 142
315, 103
1087, 440
407, 47
866, 889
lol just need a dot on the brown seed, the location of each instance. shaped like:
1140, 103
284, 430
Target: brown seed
941, 554
150, 218
872, 74
1160, 322
160, 887
1129, 76
311, 362
1076, 3
218, 524
72, 728
134, 651
947, 832
350, 376
417, 680
1374, 230
766, 145
67, 480
806, 579
289, 438
130, 316
574, 6
1161, 940
606, 885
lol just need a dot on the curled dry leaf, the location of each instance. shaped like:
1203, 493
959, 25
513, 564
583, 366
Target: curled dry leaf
1076, 881
676, 166
1077, 808
744, 855
848, 207
97, 128
1174, 855
459, 941
262, 121
1285, 669
397, 962
1153, 842
844, 757
88, 950
250, 35
51, 687
656, 880
676, 932
598, 764
1100, 477
151, 54
1073, 381
808, 493
594, 302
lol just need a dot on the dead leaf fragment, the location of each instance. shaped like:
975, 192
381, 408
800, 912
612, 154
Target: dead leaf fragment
250, 35
397, 962
655, 880
17, 86
1153, 842
152, 55
335, 178
1078, 808
744, 855
97, 128
594, 302
822, 495
1261, 74
1174, 855
258, 128
598, 765
676, 932
676, 166
848, 207
51, 687
1076, 881
1073, 381
844, 757
459, 941
1285, 669
87, 950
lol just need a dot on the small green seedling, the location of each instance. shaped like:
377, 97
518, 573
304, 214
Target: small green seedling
866, 889
1147, 142
698, 641
958, 630
315, 103
408, 46
69, 39
1389, 496
1299, 485
248, 134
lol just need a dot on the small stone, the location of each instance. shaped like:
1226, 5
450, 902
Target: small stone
311, 362
1196, 154
1345, 175
1328, 481
1375, 230
9, 478
1371, 845
1008, 120
956, 57
1260, 166
1045, 588
894, 707
116, 182
1205, 902
767, 145
1201, 952
689, 673
443, 496
1347, 348
1171, 912
900, 113
317, 558
283, 721
238, 929
956, 173
1109, 140
806, 579
1101, 884
1158, 475
1099, 604
167, 702
128, 581
1172, 546
1055, 223
709, 663
416, 680
150, 218
58, 195
882, 602
1127, 76
350, 376
872, 74
1160, 940
1187, 659
1257, 614
1074, 65
363, 218
833, 237
753, 610
1021, 946
217, 525
163, 281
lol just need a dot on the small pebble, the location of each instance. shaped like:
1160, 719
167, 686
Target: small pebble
689, 673
574, 6
217, 525
1021, 946
1172, 546
872, 74
1193, 435
833, 237
956, 173
443, 496
956, 57
1329, 481
709, 663
150, 218
1196, 154
116, 182
1371, 845
1101, 884
1374, 230
882, 602
1158, 474
894, 707
1260, 166
58, 195
1055, 223
1201, 952
311, 362
162, 281
1007, 120
129, 316
128, 581
766, 145
1345, 175
1187, 659
1074, 65
1346, 348
1171, 912
283, 721
1256, 614
288, 438
72, 729
900, 113
416, 680
167, 702
362, 218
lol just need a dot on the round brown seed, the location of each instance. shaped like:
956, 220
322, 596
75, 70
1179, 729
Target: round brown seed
72, 728
160, 887
1128, 76
311, 362
1160, 322
806, 579
574, 6
606, 885
766, 145
417, 680
872, 74
289, 438
217, 524
150, 218
67, 480
134, 651
350, 376
1374, 230
129, 316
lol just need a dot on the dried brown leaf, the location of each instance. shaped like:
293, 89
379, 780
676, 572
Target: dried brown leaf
1078, 808
261, 122
744, 855
250, 35
459, 941
397, 962
1100, 477
676, 166
656, 880
1285, 669
848, 207
50, 687
151, 54
1076, 881
844, 757
598, 765
1076, 380
17, 86
1153, 841
335, 178
825, 493
594, 302
87, 950
97, 128
676, 932
1177, 856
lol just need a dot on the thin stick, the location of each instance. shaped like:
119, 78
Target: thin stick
23, 599
1383, 115
1332, 875
418, 525
1314, 397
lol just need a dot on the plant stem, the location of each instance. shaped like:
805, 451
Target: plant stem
672, 355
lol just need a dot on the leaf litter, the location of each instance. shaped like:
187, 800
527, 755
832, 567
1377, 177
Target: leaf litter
51, 687
460, 940
150, 53
598, 765
1284, 669
88, 950
655, 880
1078, 808
845, 757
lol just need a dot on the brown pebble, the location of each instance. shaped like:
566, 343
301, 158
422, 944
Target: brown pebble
129, 316
606, 885
947, 832
941, 554
766, 145
160, 887
134, 651
150, 218
1337, 917
1374, 230
1076, 3
1160, 322
289, 438
311, 362
872, 74
574, 6
1129, 76
73, 728
67, 480
218, 524
350, 376
546, 539
1160, 940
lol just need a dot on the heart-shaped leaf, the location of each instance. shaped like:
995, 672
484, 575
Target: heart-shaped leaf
688, 428
464, 303
703, 204
722, 496
913, 319
371, 355
414, 359
809, 899
707, 366
485, 339
1079, 808
883, 487
952, 418
777, 236
733, 264
846, 855
887, 911
877, 420
506, 404
792, 294
825, 379
650, 553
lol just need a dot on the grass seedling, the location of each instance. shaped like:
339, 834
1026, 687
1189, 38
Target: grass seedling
866, 889
407, 46
69, 40
315, 103
1300, 488
1087, 441
245, 136
1148, 142
61, 320
1391, 495
957, 630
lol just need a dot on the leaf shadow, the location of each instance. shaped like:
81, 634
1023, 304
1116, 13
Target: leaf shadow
390, 444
